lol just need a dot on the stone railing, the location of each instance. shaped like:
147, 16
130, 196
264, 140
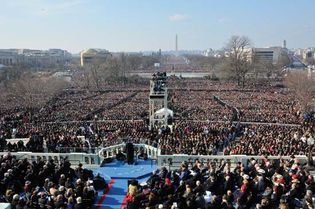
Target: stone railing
73, 158
174, 161
109, 152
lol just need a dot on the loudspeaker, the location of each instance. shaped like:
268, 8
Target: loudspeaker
130, 153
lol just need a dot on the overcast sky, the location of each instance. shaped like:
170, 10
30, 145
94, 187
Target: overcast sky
140, 25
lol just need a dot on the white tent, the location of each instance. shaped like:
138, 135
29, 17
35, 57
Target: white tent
164, 112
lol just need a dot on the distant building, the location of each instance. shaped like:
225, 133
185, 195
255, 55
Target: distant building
209, 52
94, 55
299, 52
8, 57
309, 53
33, 57
268, 55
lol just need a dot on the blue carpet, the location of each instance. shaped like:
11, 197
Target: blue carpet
121, 173
119, 170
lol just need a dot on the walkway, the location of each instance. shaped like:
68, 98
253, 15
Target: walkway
117, 174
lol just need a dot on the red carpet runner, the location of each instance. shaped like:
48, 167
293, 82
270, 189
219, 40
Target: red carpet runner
102, 198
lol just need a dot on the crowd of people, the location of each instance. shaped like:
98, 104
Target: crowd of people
79, 136
198, 105
202, 123
264, 184
270, 140
46, 184
198, 138
186, 137
264, 106
133, 109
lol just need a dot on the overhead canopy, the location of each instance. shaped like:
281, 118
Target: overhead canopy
164, 112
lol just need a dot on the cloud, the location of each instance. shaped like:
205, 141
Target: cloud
223, 20
43, 12
61, 7
178, 17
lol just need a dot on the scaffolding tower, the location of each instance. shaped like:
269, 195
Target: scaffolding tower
157, 100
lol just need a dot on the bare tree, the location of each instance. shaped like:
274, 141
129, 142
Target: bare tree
264, 69
95, 74
204, 63
133, 62
33, 92
302, 85
81, 78
238, 58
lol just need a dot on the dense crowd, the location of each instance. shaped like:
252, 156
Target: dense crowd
133, 109
77, 136
198, 105
198, 138
270, 140
265, 184
80, 120
204, 124
264, 106
73, 109
45, 184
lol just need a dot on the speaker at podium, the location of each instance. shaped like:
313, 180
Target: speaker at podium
130, 153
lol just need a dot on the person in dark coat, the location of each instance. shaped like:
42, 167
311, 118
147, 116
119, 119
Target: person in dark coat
153, 179
99, 183
79, 204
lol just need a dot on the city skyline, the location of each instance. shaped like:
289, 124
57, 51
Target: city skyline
129, 25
